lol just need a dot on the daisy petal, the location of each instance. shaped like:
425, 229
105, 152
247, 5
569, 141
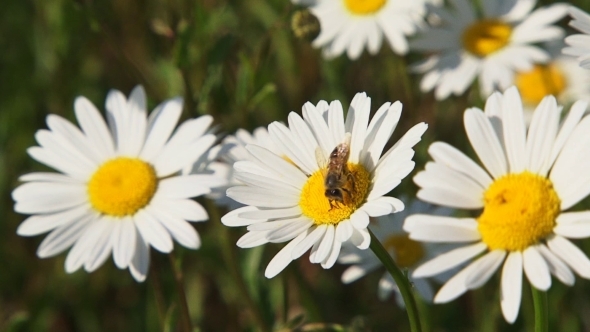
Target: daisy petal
253, 239
162, 122
511, 286
183, 186
282, 258
102, 247
344, 230
557, 267
39, 224
356, 272
181, 231
571, 255
361, 238
569, 124
140, 264
359, 219
514, 130
153, 232
93, 125
289, 231
577, 227
441, 229
456, 286
486, 267
485, 142
536, 268
81, 249
124, 239
333, 256
257, 213
288, 172
262, 197
313, 237
448, 260
62, 238
325, 246
451, 157
234, 218
541, 136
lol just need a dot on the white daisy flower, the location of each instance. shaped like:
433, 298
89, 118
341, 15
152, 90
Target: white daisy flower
579, 44
529, 180
561, 77
231, 150
285, 194
490, 48
407, 253
118, 190
351, 25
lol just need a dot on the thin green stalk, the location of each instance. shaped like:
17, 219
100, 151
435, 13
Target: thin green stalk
234, 269
400, 280
285, 284
158, 294
541, 311
179, 280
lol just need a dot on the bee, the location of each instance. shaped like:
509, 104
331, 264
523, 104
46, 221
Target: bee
338, 179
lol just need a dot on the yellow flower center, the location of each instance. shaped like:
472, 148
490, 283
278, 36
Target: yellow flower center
519, 211
122, 186
315, 205
364, 7
406, 252
539, 82
486, 36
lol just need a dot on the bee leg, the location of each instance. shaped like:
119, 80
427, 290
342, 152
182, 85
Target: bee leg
350, 179
346, 198
331, 204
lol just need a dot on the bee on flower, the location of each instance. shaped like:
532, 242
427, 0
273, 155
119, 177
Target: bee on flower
292, 196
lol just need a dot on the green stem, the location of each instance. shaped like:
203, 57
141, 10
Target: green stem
400, 280
232, 264
178, 278
541, 311
158, 294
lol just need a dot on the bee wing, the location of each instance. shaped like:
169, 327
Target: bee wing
320, 158
347, 138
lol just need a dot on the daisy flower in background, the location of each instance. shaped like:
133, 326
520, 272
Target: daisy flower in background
118, 190
231, 150
579, 45
352, 25
285, 194
407, 253
490, 47
528, 182
560, 77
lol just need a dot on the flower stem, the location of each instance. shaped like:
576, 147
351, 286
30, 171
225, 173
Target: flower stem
231, 261
541, 311
178, 279
158, 294
400, 280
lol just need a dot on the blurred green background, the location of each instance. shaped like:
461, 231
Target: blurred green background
239, 61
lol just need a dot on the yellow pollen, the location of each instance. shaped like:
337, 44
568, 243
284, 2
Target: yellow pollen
315, 205
519, 211
406, 252
364, 7
485, 37
122, 186
539, 82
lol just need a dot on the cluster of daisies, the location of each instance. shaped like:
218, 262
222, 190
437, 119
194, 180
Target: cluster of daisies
321, 181
498, 44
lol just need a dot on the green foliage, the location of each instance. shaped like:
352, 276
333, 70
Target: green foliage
238, 61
